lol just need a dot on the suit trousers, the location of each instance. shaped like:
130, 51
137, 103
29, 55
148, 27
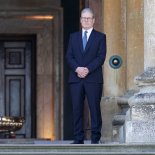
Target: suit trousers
93, 93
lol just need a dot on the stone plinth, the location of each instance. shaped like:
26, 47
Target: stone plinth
140, 126
140, 131
143, 112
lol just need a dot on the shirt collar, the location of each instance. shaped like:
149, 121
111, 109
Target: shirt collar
89, 32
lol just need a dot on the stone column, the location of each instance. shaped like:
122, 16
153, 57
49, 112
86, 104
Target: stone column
134, 40
140, 126
149, 33
114, 21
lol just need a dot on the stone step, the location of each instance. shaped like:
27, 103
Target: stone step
75, 149
78, 153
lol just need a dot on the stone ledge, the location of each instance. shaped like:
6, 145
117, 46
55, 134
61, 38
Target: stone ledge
147, 77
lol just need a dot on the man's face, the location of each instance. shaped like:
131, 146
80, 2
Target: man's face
87, 20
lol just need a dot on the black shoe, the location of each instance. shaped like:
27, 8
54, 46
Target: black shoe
77, 142
94, 142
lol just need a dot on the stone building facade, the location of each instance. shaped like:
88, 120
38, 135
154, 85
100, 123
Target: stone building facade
123, 23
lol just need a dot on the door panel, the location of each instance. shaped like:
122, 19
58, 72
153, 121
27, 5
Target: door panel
15, 101
16, 82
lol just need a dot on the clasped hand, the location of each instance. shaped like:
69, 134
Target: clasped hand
82, 72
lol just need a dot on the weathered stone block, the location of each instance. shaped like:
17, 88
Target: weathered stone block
143, 112
140, 131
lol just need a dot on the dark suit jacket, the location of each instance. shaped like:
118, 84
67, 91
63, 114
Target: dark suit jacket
93, 57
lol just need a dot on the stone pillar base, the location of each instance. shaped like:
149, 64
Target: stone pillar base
140, 125
140, 131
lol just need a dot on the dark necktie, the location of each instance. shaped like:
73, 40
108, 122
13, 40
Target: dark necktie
84, 39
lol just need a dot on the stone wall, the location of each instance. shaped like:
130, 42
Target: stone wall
10, 4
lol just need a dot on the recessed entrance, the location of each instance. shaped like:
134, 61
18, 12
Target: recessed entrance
17, 81
41, 20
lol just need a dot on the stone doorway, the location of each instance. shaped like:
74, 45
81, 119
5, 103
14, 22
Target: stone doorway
17, 81
44, 21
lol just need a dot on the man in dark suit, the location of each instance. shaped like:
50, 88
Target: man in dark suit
85, 55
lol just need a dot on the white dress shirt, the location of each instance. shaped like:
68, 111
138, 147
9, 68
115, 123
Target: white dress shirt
88, 34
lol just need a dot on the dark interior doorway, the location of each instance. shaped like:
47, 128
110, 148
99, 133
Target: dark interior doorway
71, 14
71, 24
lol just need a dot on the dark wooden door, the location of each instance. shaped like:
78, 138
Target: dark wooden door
17, 96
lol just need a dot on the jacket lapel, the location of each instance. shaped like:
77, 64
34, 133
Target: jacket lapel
90, 40
80, 41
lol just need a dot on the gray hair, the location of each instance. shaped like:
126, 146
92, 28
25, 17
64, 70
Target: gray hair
87, 10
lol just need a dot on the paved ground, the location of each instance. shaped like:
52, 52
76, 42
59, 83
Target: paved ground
36, 141
68, 142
